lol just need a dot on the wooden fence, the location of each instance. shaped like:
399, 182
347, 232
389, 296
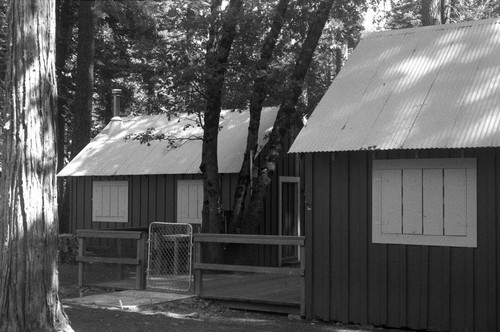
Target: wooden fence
139, 261
200, 267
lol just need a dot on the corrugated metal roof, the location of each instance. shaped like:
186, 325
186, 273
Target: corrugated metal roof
110, 154
430, 87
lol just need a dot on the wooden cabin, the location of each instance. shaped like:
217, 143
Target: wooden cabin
401, 169
119, 183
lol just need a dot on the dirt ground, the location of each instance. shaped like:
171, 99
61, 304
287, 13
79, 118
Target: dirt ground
190, 314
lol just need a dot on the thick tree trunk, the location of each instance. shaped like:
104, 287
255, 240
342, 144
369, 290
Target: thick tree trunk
218, 51
257, 98
287, 117
82, 107
64, 25
29, 298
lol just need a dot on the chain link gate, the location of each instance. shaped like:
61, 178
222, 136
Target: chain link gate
169, 256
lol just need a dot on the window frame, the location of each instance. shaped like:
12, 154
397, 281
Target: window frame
467, 240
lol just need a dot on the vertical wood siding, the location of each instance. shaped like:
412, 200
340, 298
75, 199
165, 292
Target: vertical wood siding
351, 280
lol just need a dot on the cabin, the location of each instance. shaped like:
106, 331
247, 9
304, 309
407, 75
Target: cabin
401, 169
117, 183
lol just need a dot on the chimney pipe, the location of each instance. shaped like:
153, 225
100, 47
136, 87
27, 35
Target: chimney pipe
116, 101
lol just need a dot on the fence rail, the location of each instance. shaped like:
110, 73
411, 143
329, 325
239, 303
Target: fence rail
200, 267
139, 261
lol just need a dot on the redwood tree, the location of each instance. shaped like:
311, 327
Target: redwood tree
82, 107
29, 298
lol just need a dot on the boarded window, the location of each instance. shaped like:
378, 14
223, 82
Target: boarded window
189, 201
110, 201
425, 202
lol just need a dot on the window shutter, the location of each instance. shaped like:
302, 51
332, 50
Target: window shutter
189, 201
425, 201
110, 201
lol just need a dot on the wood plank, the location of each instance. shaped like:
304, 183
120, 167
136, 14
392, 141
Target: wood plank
391, 201
160, 201
309, 225
433, 201
249, 239
412, 201
446, 288
152, 192
109, 260
170, 198
144, 189
403, 286
497, 234
339, 203
364, 221
481, 260
413, 305
393, 286
491, 219
249, 268
357, 215
135, 219
457, 290
455, 202
116, 234
87, 203
321, 246
344, 252
435, 288
424, 286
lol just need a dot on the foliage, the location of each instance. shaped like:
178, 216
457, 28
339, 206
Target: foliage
471, 10
67, 248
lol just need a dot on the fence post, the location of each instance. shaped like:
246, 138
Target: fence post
303, 280
81, 252
198, 274
140, 269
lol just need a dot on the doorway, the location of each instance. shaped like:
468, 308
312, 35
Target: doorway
289, 217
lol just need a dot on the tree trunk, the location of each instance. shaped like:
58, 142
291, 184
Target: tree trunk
218, 51
258, 95
434, 12
64, 25
82, 107
28, 254
287, 117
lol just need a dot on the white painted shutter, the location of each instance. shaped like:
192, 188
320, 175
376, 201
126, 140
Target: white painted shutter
189, 201
425, 201
110, 201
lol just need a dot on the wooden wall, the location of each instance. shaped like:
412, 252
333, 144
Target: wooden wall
154, 198
351, 280
151, 198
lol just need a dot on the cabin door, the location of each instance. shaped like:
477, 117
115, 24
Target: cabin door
289, 217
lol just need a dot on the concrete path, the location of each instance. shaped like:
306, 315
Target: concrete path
130, 299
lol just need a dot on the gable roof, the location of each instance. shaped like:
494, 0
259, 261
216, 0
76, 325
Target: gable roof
110, 154
429, 87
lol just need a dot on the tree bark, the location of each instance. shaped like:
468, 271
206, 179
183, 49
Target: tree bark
82, 107
64, 25
287, 117
29, 298
434, 12
219, 48
259, 93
